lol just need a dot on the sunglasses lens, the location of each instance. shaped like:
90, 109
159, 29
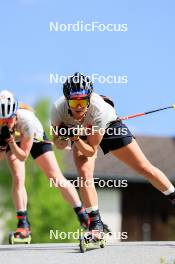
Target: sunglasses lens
6, 120
74, 103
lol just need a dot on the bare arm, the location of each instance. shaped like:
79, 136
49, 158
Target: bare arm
23, 151
89, 148
2, 154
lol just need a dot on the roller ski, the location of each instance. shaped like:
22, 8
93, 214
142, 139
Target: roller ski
20, 236
23, 234
95, 237
89, 241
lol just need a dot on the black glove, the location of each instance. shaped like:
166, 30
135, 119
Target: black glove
5, 133
3, 144
65, 131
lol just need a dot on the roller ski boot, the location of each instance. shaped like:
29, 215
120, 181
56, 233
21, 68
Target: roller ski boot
107, 230
82, 217
95, 237
22, 234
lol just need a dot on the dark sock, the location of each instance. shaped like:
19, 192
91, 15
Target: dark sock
79, 209
22, 219
94, 215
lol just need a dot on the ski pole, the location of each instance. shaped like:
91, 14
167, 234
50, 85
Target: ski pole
145, 113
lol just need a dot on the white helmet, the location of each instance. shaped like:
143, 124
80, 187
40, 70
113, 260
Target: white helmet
8, 104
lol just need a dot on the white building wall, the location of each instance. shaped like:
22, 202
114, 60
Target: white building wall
110, 209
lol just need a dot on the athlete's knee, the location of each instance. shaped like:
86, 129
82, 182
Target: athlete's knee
18, 180
86, 173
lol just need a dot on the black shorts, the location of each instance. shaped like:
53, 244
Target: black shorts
38, 148
117, 135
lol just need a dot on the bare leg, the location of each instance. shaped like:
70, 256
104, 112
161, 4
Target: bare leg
48, 164
85, 167
133, 156
19, 193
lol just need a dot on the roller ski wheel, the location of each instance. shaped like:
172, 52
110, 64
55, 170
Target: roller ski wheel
11, 239
88, 241
103, 243
82, 245
20, 236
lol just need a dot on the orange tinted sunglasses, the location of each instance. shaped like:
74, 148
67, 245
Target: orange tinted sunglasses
6, 120
75, 102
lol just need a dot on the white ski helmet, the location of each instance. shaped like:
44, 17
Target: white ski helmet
8, 104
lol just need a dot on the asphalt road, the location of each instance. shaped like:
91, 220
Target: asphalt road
119, 253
